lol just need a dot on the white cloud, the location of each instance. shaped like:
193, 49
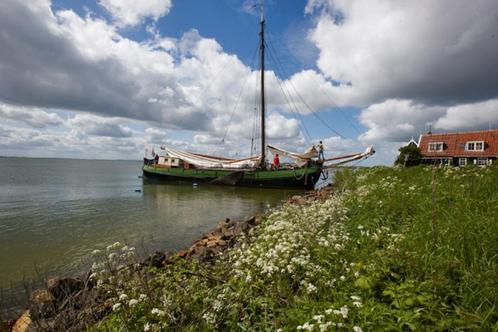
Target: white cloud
470, 116
429, 51
99, 126
335, 146
396, 120
155, 136
33, 116
133, 12
280, 127
84, 64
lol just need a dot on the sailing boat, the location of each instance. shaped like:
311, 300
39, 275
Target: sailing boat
253, 171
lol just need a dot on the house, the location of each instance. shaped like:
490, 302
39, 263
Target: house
460, 148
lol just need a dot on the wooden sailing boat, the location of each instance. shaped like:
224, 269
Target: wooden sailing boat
253, 171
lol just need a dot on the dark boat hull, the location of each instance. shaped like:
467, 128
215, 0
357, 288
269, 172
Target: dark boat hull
304, 178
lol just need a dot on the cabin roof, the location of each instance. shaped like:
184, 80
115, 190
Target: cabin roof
455, 143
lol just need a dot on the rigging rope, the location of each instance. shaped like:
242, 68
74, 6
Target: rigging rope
292, 106
270, 46
239, 96
294, 61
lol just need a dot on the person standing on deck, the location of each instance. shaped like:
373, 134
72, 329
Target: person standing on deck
276, 162
320, 151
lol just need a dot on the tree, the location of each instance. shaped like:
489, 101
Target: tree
409, 155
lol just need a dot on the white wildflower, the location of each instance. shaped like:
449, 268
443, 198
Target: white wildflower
158, 312
357, 329
344, 311
116, 306
209, 318
310, 288
132, 302
147, 327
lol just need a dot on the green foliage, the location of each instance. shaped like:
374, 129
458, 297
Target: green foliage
365, 259
409, 155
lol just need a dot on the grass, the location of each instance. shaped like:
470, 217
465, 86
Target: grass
394, 249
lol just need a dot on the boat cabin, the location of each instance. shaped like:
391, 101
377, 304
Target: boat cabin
168, 162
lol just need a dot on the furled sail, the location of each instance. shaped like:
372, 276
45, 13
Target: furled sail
207, 161
300, 159
352, 157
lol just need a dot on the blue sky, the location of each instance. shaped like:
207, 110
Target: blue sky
109, 78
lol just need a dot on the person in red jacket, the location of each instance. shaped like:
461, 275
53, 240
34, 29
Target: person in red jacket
276, 162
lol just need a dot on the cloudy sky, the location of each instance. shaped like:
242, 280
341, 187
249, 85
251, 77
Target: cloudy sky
110, 78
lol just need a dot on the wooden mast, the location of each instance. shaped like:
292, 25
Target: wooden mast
262, 60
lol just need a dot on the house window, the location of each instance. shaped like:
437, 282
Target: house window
462, 161
482, 161
436, 147
475, 146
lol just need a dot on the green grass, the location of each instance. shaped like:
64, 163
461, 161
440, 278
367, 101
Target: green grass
395, 249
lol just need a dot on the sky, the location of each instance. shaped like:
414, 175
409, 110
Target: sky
108, 79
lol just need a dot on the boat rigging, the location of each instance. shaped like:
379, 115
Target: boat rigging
253, 170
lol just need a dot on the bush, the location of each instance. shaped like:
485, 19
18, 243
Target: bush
409, 155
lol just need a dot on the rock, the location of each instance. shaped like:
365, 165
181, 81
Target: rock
23, 323
252, 221
212, 244
155, 260
41, 304
297, 199
62, 288
182, 253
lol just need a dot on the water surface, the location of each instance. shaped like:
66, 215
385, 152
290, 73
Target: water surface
54, 212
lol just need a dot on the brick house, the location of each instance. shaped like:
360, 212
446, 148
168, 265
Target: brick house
461, 148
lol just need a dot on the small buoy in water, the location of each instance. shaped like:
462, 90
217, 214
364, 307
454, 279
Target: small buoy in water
138, 190
195, 184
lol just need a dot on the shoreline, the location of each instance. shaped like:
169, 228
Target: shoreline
43, 302
386, 249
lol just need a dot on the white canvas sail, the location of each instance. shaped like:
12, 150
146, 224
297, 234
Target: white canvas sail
211, 161
346, 159
300, 159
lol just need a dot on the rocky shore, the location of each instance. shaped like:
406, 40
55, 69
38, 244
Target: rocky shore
58, 305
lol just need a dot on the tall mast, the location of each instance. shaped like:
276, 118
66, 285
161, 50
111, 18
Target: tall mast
262, 60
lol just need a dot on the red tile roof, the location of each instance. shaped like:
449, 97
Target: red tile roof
455, 143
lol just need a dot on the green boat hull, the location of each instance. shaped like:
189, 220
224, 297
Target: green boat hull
284, 178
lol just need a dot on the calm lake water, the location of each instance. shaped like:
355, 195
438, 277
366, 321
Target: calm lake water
54, 212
